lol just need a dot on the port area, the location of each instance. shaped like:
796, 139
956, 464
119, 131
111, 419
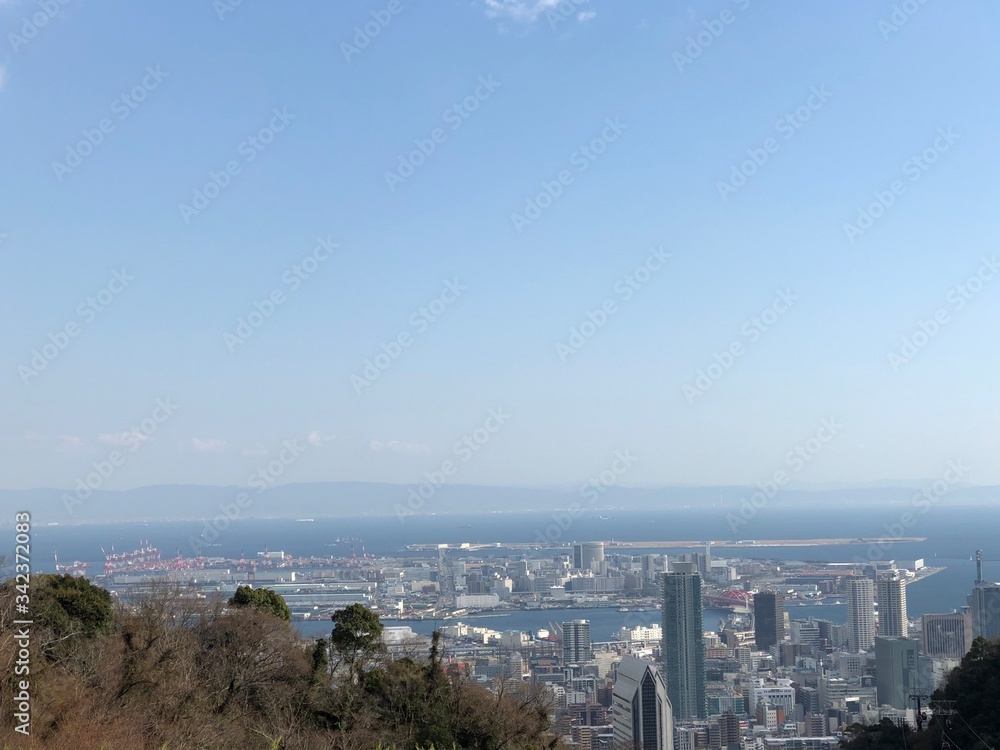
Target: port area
446, 582
312, 586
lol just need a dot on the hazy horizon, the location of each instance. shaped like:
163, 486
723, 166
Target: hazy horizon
557, 487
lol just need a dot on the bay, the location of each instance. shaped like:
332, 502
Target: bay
953, 534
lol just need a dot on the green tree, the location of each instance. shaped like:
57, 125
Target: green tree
356, 637
882, 736
436, 718
320, 660
70, 606
262, 600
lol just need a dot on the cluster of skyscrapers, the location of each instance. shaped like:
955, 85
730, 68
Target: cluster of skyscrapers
762, 681
877, 634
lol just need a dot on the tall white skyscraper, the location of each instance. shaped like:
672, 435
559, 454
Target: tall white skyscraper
892, 619
860, 614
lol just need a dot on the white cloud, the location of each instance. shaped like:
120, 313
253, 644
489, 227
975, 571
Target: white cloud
208, 445
258, 450
316, 438
124, 438
33, 437
398, 446
70, 443
522, 11
586, 16
3, 77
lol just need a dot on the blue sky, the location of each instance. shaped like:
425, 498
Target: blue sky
737, 138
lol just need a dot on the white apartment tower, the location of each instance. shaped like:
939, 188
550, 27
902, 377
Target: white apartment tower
892, 618
860, 614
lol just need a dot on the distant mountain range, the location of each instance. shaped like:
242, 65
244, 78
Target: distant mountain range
175, 502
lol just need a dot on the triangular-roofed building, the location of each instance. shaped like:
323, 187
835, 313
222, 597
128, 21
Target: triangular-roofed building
640, 709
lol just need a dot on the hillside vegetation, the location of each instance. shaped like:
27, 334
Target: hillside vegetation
171, 671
